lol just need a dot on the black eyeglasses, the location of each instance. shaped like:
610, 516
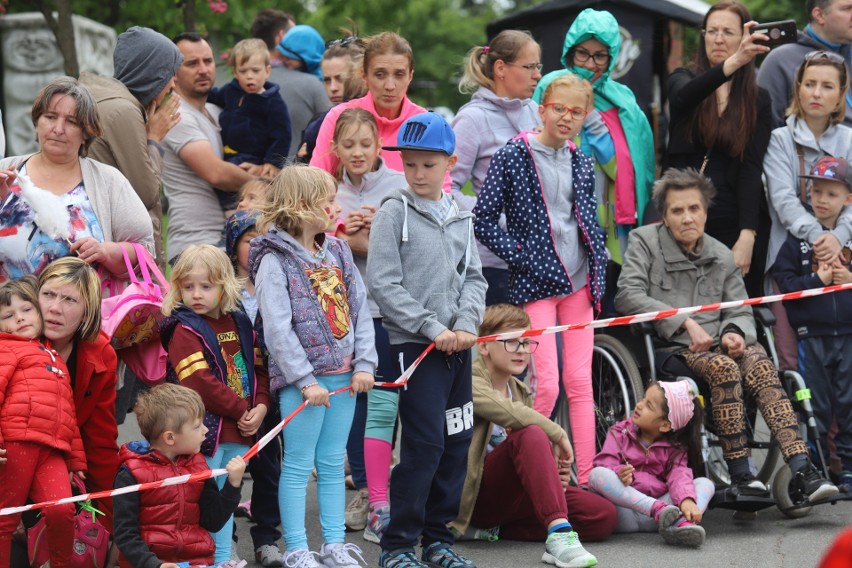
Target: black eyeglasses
830, 55
515, 345
345, 42
531, 67
581, 56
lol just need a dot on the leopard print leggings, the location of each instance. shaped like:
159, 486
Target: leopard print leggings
760, 379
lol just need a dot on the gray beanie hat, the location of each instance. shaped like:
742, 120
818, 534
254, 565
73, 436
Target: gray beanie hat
145, 61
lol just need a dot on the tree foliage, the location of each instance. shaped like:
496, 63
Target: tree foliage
440, 31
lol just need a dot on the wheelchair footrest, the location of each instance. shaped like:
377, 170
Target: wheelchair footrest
730, 498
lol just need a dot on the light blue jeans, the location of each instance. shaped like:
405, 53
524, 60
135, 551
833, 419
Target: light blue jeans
316, 437
223, 455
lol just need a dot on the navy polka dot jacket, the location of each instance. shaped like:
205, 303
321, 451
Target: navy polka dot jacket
513, 187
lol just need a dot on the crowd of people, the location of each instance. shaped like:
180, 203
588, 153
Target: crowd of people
322, 234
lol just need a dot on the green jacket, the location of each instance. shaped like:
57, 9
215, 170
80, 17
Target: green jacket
492, 407
602, 26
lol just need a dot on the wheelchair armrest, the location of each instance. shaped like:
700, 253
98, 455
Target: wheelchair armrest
763, 315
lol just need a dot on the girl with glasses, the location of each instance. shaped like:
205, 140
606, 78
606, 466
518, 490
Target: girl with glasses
554, 248
814, 129
719, 125
616, 133
502, 77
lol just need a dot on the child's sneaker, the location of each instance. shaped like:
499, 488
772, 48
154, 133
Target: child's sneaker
243, 510
473, 533
358, 511
340, 554
378, 523
442, 555
563, 549
667, 516
269, 556
404, 558
684, 534
301, 558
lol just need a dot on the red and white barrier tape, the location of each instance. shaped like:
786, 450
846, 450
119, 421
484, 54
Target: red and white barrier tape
406, 375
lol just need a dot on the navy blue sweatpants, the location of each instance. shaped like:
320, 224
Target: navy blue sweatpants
265, 472
826, 365
436, 412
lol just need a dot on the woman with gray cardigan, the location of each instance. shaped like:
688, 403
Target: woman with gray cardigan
502, 77
814, 129
104, 213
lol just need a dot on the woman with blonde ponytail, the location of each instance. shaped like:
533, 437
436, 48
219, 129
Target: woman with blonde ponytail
502, 77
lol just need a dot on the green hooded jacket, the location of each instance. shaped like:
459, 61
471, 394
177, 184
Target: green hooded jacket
602, 26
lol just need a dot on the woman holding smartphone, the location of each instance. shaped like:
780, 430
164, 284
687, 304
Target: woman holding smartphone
720, 125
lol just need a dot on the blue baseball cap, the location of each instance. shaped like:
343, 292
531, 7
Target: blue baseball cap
427, 131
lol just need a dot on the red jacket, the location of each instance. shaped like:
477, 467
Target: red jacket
36, 403
169, 517
94, 401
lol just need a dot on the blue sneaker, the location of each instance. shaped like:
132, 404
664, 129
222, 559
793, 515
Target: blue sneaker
403, 558
845, 482
442, 555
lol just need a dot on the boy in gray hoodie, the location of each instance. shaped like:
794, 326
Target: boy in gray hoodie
426, 277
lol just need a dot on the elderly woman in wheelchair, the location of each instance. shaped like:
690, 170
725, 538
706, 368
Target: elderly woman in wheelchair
675, 264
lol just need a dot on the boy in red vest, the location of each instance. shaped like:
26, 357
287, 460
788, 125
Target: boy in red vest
167, 525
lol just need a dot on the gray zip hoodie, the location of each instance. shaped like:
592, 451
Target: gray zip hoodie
483, 126
425, 276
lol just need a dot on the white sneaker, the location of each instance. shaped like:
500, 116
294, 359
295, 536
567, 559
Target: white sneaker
340, 554
563, 549
269, 556
357, 511
301, 558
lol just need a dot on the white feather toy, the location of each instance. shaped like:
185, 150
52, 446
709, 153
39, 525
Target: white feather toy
51, 214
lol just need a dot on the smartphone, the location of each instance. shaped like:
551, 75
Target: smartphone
779, 33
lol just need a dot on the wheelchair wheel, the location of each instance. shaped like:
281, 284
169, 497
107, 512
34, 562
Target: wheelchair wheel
764, 450
781, 494
616, 383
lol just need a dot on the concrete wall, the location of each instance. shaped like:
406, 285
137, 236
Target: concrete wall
31, 59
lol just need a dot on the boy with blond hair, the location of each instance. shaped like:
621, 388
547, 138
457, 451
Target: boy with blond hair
426, 278
823, 324
254, 120
171, 524
531, 504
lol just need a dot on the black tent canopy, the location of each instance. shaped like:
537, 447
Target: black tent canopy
645, 33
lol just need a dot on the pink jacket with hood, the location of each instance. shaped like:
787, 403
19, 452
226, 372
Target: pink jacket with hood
659, 469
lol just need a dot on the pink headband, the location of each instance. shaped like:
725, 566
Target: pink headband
679, 395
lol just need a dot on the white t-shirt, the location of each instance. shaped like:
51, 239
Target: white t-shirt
195, 216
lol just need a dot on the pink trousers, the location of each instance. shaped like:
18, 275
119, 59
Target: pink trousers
576, 370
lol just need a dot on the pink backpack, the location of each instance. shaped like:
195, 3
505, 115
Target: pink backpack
131, 318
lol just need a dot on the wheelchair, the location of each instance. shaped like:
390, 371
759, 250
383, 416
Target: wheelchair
624, 362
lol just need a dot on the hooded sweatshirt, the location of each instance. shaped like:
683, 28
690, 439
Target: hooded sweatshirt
483, 126
628, 126
425, 275
145, 62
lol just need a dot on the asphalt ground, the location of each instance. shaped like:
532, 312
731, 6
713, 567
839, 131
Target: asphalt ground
771, 540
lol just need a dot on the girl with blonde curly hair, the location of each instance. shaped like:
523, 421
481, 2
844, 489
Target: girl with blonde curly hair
318, 329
